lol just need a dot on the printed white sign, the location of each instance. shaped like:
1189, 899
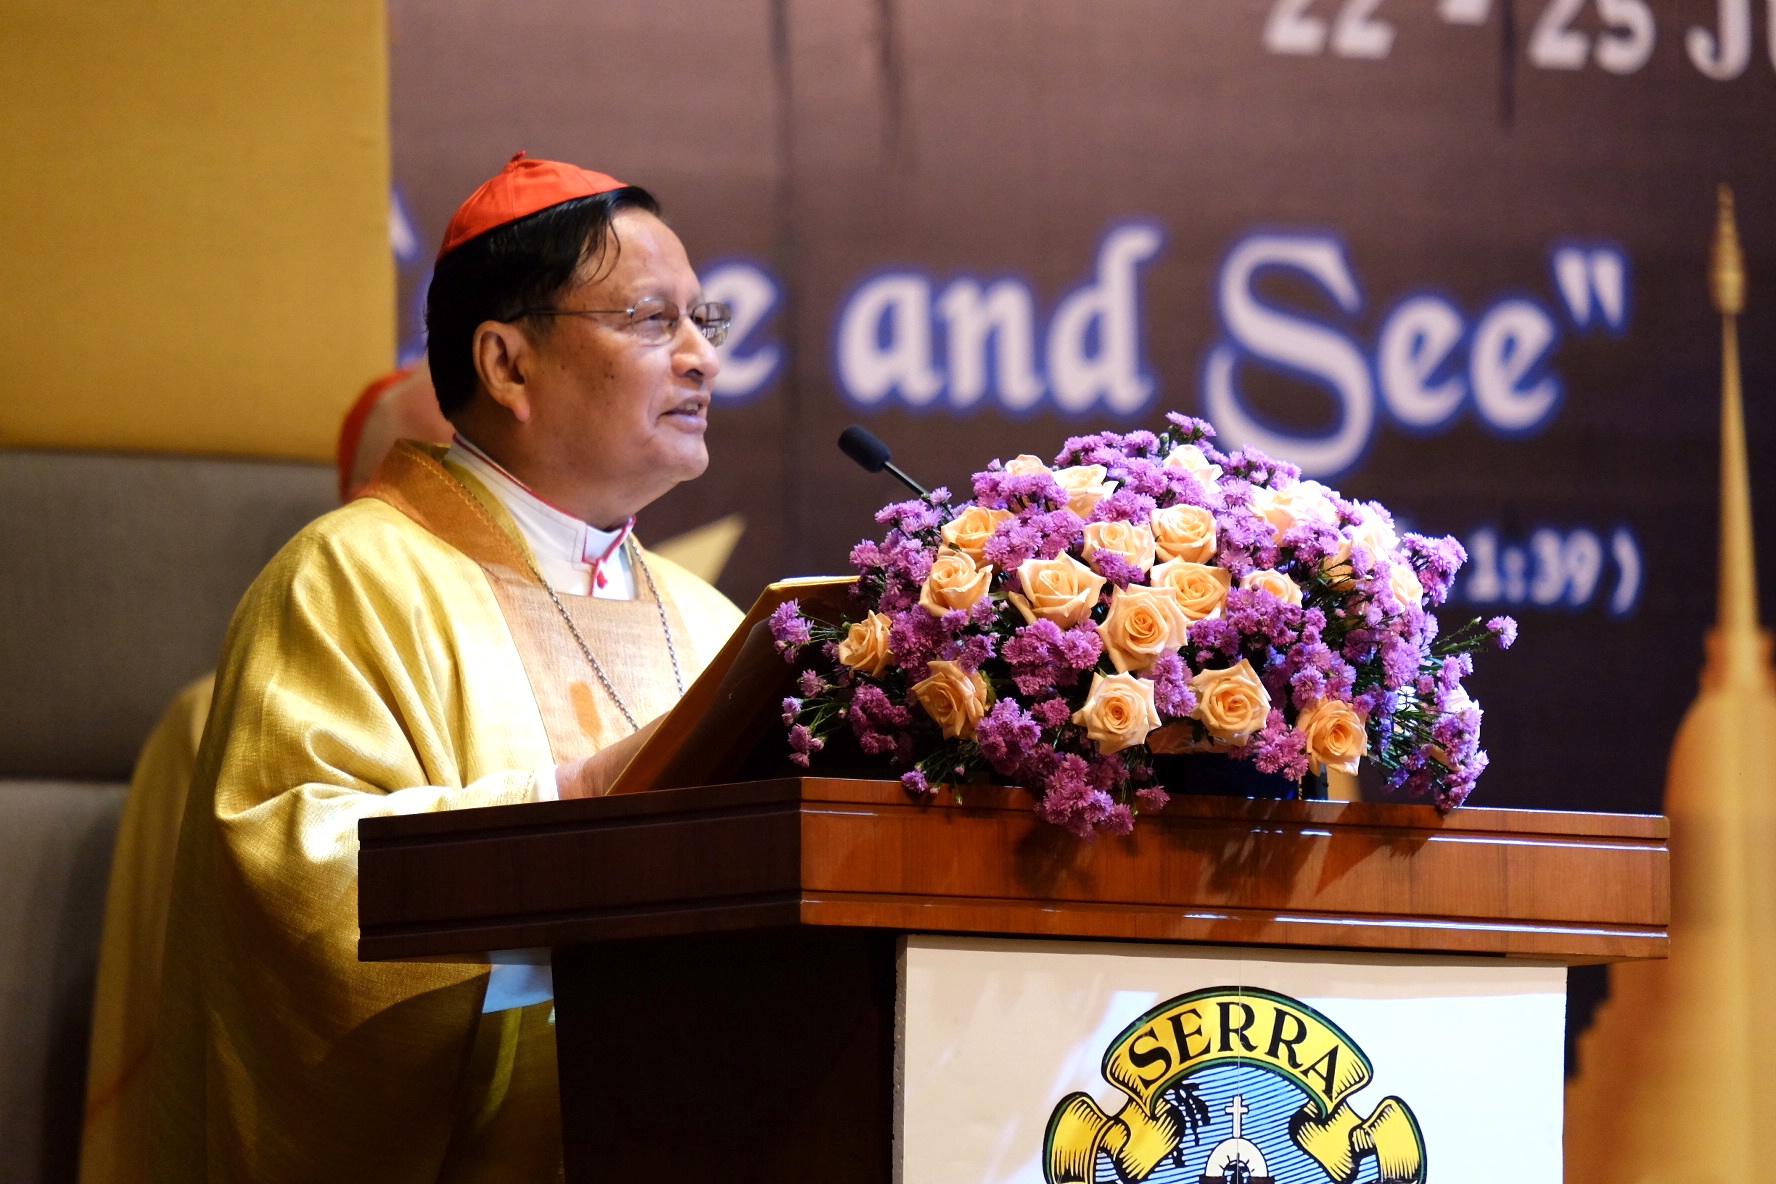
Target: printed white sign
1067, 1062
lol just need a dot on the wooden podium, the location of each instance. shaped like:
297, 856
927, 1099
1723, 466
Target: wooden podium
728, 959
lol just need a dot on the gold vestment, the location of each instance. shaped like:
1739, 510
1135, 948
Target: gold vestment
399, 655
126, 998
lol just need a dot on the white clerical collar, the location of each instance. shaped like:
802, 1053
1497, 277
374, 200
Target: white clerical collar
575, 557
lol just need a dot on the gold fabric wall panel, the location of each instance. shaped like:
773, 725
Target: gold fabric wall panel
196, 253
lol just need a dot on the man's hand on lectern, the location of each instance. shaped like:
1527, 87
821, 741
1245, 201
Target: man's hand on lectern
593, 776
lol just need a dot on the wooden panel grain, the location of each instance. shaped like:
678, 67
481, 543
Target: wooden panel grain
757, 1057
1007, 854
847, 853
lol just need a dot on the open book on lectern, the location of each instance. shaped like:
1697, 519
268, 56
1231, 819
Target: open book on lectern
718, 722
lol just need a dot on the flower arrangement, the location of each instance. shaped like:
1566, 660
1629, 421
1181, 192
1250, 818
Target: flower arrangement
1145, 595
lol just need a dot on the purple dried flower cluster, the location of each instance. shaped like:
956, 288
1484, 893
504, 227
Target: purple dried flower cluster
1227, 606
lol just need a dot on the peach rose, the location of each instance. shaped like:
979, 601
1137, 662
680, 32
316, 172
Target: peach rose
969, 531
865, 648
954, 698
1305, 501
1062, 590
955, 583
1274, 582
1335, 735
1201, 589
1025, 466
1085, 486
1232, 703
1184, 532
1118, 711
1143, 625
1128, 539
1190, 459
1403, 582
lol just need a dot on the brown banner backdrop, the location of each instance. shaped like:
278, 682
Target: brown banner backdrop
1450, 253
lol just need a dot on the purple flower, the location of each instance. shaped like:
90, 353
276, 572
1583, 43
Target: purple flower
878, 724
915, 783
1153, 484
1449, 675
1171, 686
1059, 530
1081, 647
1214, 639
1261, 619
1455, 789
1280, 749
916, 637
1189, 430
1013, 542
998, 490
867, 555
1399, 662
1436, 560
1120, 820
1070, 800
1310, 542
869, 702
911, 517
1116, 569
1107, 773
1152, 798
973, 651
802, 740
1052, 713
810, 683
1125, 505
792, 708
1034, 644
790, 629
1250, 464
1503, 630
1031, 653
1007, 735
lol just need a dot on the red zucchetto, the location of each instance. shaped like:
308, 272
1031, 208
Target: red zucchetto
522, 188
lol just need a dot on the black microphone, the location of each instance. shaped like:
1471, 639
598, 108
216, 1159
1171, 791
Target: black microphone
873, 455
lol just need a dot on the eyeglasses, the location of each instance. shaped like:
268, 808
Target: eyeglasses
655, 319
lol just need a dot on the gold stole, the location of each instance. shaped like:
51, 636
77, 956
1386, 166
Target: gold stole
624, 635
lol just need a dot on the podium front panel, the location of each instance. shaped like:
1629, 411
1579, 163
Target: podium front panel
1023, 1062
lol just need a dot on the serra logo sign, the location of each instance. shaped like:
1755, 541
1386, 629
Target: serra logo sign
1281, 1072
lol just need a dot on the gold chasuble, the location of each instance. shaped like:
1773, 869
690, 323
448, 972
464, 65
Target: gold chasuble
126, 999
399, 655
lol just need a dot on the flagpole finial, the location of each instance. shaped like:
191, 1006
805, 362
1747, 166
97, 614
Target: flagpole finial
1726, 271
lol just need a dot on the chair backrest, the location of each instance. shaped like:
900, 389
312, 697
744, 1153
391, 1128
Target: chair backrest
55, 850
118, 575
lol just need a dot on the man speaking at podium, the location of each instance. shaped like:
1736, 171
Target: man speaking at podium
478, 628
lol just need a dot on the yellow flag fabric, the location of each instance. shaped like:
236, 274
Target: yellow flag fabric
126, 1000
368, 671
1674, 1080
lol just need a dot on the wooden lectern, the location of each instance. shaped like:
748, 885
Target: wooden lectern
725, 956
748, 987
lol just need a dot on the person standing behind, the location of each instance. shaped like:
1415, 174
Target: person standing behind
126, 997
479, 629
